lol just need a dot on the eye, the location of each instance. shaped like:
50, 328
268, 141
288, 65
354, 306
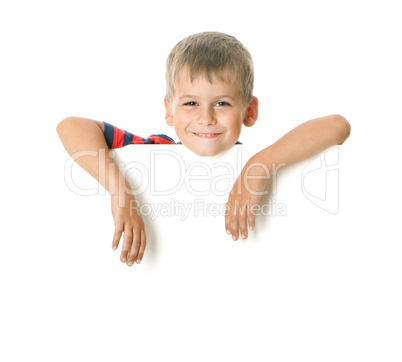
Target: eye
191, 104
222, 104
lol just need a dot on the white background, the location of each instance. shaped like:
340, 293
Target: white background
333, 295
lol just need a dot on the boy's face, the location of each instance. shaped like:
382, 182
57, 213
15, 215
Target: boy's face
208, 117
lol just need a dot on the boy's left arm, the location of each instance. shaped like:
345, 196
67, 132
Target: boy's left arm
302, 142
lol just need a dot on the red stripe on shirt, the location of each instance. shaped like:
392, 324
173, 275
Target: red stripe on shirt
161, 140
118, 138
137, 140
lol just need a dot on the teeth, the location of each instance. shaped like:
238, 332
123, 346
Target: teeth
205, 134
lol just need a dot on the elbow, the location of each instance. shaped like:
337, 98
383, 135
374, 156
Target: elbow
342, 127
76, 125
64, 125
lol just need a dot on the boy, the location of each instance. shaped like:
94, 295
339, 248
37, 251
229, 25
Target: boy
209, 98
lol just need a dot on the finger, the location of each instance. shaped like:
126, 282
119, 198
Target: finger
118, 231
128, 240
234, 227
243, 220
227, 219
243, 226
251, 220
134, 248
142, 247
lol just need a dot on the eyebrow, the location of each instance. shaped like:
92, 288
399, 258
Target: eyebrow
196, 97
187, 96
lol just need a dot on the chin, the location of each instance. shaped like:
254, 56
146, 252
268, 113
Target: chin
206, 153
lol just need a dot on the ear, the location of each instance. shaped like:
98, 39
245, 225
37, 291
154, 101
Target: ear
169, 112
251, 113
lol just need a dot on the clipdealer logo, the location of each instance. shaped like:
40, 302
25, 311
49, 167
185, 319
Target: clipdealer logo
319, 178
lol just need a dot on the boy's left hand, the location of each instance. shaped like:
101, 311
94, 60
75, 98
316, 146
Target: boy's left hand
244, 198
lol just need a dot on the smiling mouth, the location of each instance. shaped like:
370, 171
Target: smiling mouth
207, 135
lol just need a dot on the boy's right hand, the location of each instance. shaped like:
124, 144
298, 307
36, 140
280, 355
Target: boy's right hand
127, 220
79, 134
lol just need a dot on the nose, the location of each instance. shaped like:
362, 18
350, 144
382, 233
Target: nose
206, 117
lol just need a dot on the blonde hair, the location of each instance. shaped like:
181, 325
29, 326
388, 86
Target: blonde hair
214, 55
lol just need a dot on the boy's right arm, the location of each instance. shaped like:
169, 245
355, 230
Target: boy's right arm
85, 142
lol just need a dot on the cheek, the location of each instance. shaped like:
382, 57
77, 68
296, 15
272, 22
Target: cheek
180, 125
235, 123
181, 116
